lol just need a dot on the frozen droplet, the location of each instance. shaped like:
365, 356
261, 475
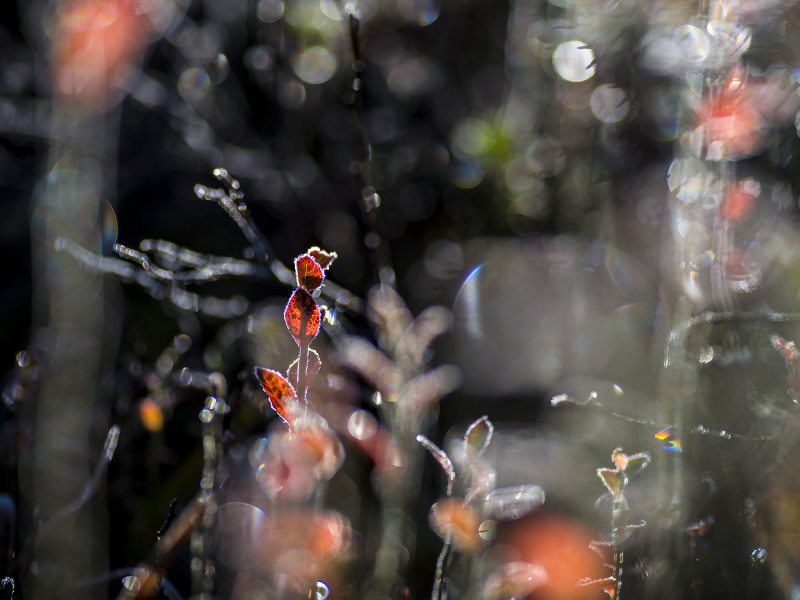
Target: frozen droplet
131, 583
193, 84
362, 425
513, 502
706, 354
573, 61
315, 65
609, 104
320, 591
218, 69
692, 43
758, 555
270, 11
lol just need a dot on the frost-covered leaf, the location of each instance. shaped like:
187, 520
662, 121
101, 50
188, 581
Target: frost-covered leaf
324, 259
302, 309
280, 392
479, 435
309, 273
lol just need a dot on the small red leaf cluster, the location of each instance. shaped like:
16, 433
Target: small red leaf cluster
303, 319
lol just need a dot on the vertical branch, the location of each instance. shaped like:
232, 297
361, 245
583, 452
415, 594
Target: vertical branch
438, 581
369, 201
202, 565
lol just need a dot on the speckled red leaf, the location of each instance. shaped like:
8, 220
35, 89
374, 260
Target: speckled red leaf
324, 259
309, 274
302, 310
279, 391
312, 367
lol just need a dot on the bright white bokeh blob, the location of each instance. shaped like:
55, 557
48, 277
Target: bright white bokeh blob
573, 61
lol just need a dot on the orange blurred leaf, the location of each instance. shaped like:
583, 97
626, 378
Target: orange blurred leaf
151, 415
309, 274
279, 391
302, 310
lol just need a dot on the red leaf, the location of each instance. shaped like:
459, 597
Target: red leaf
309, 274
324, 259
312, 367
279, 391
302, 309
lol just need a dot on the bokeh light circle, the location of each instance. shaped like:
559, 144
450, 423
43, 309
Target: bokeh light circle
315, 65
609, 104
194, 84
573, 61
270, 11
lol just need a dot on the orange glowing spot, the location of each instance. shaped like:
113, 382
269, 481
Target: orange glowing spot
457, 520
94, 42
151, 415
740, 200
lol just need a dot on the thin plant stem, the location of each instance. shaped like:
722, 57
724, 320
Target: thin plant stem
438, 578
369, 200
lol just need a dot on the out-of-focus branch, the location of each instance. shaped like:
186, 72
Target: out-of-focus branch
677, 336
88, 491
148, 571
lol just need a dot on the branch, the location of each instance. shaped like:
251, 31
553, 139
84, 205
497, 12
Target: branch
677, 337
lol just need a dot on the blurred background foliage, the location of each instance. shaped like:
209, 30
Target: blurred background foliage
521, 154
